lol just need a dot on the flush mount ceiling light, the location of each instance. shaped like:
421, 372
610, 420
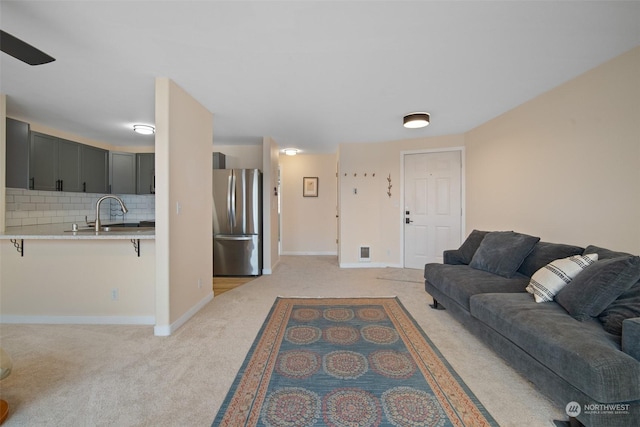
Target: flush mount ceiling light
416, 120
144, 129
290, 151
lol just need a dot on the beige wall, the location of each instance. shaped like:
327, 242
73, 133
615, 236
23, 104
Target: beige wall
71, 281
241, 156
184, 261
564, 166
3, 159
308, 224
270, 250
371, 217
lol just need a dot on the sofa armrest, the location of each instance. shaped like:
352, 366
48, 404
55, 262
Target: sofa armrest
631, 337
453, 257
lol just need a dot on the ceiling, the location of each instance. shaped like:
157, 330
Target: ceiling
310, 74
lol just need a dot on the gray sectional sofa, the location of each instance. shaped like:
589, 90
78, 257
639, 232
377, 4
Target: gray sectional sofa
582, 347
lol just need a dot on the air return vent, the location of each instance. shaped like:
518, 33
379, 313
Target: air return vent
365, 253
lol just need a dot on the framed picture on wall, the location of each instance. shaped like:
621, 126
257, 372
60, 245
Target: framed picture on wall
310, 186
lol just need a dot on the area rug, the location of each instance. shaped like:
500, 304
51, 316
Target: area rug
346, 362
402, 275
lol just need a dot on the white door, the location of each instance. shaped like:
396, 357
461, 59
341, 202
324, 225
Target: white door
433, 206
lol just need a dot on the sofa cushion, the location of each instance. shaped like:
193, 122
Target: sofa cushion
598, 286
544, 252
460, 282
502, 252
580, 352
626, 306
631, 337
604, 253
546, 282
470, 245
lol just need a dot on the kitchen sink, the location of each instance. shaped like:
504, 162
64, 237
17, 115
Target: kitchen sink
128, 227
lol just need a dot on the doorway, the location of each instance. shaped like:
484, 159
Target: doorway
433, 214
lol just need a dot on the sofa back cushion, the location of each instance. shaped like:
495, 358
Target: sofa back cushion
604, 253
626, 306
502, 252
543, 253
470, 246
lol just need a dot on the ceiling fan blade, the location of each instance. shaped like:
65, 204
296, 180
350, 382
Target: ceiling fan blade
23, 51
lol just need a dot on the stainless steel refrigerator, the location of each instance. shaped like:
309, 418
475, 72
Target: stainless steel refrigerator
237, 222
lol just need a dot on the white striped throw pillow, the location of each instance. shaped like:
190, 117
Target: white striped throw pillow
547, 282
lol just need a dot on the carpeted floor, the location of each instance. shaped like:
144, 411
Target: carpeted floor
402, 275
80, 375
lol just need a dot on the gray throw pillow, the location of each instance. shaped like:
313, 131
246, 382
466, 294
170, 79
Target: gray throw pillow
593, 290
470, 245
502, 252
626, 306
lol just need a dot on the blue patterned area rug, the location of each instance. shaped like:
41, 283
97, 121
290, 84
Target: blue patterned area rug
346, 362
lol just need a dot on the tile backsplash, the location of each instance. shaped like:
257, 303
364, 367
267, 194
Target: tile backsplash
32, 207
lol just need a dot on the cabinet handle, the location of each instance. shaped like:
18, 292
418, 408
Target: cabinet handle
61, 185
32, 183
84, 187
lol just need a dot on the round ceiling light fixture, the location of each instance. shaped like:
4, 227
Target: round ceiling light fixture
144, 129
290, 151
416, 120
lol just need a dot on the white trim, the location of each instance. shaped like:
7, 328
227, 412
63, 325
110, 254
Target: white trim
166, 330
79, 320
463, 206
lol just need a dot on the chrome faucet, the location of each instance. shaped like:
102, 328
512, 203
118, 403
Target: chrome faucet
108, 196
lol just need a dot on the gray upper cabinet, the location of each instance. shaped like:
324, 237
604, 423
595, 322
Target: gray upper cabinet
145, 173
43, 162
122, 172
37, 161
54, 163
69, 166
17, 172
95, 169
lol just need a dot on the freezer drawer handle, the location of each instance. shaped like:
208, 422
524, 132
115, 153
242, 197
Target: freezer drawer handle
235, 238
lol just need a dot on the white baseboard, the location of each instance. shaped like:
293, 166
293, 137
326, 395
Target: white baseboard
79, 320
166, 330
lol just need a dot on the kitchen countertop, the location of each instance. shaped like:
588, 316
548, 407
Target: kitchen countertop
63, 232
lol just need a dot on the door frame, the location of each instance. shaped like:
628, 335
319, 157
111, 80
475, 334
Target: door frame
463, 206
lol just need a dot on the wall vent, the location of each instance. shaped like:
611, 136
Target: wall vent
365, 253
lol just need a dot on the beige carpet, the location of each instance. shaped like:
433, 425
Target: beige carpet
73, 375
402, 275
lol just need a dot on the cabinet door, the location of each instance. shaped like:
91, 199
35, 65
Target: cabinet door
17, 154
122, 176
95, 169
43, 162
69, 166
145, 173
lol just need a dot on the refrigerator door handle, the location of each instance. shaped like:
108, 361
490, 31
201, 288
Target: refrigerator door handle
233, 238
232, 197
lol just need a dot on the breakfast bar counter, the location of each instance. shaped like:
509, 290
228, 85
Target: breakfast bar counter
63, 231
50, 274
